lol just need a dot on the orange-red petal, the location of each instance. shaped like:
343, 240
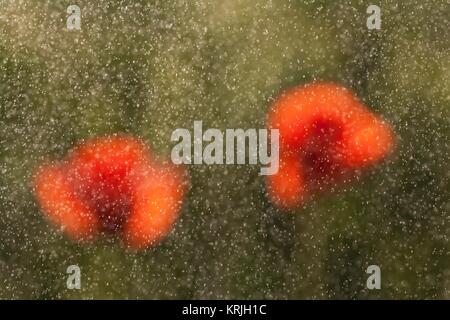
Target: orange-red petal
62, 206
157, 203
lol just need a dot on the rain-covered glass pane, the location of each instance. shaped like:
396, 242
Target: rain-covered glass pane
326, 177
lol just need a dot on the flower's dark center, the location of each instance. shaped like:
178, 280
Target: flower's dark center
319, 154
108, 192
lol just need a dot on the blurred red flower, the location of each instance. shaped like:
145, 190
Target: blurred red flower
112, 185
326, 134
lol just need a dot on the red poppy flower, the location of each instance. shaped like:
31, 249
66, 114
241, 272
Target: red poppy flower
111, 185
326, 134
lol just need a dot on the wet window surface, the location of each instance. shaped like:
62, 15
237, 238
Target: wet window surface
224, 150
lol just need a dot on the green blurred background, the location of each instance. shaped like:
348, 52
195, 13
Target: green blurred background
149, 67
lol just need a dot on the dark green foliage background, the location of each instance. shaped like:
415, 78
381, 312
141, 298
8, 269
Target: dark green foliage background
148, 67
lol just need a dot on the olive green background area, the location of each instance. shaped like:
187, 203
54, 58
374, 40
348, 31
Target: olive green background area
149, 67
